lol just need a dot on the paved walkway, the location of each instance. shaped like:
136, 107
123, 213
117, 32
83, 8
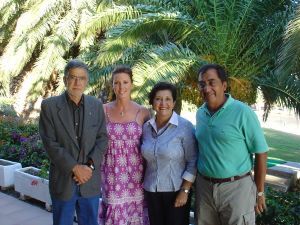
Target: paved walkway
17, 212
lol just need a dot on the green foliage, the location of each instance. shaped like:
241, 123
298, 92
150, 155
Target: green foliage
10, 125
44, 169
243, 89
20, 142
159, 39
283, 208
6, 108
289, 57
239, 35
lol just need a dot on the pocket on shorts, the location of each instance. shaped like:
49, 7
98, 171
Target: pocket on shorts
249, 218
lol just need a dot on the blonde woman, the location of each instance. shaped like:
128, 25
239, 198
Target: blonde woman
122, 169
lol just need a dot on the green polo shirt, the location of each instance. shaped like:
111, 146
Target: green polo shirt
227, 139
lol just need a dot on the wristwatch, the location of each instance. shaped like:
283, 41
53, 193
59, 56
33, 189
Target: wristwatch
261, 193
90, 164
185, 190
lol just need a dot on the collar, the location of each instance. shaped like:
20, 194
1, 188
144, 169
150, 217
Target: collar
228, 102
69, 100
173, 120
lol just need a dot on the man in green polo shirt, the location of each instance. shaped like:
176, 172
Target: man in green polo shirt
228, 134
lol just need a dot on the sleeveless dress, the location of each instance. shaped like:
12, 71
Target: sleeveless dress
122, 172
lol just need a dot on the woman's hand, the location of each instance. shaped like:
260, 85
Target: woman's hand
181, 199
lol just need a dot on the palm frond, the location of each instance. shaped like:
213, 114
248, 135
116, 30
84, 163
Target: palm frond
9, 13
38, 12
169, 62
50, 63
99, 84
52, 57
23, 52
4, 4
98, 75
9, 9
289, 56
56, 46
24, 41
86, 12
180, 25
131, 32
284, 92
102, 21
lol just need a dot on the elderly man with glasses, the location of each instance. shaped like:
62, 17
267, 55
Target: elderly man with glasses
73, 130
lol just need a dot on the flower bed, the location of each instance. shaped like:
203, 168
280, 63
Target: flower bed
20, 142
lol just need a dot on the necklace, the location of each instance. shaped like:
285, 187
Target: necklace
122, 113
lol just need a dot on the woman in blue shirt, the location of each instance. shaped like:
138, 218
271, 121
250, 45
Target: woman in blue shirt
170, 152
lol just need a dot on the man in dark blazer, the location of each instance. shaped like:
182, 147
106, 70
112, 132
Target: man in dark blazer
73, 130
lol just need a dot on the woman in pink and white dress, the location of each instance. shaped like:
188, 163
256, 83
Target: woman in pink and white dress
122, 169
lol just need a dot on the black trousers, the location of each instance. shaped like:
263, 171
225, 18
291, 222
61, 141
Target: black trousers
162, 211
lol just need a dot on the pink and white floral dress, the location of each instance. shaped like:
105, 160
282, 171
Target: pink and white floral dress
122, 172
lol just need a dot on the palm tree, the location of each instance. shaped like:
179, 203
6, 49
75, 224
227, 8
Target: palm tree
170, 42
160, 39
42, 39
282, 85
38, 37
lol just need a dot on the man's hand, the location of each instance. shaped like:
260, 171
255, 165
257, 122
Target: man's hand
260, 204
260, 170
82, 173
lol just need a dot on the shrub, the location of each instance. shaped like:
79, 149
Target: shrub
21, 143
10, 126
29, 151
282, 208
6, 108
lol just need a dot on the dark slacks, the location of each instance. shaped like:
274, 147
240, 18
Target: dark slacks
162, 211
86, 210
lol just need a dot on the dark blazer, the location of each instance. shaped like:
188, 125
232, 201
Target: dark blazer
58, 136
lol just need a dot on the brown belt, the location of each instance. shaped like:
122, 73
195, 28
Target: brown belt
223, 180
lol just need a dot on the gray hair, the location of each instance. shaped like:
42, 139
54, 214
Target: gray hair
75, 63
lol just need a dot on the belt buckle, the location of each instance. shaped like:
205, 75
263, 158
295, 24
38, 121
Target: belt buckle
231, 179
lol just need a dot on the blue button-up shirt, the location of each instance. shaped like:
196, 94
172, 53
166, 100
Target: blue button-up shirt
170, 154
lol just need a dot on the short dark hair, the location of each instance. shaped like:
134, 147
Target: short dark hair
160, 86
220, 71
75, 63
123, 69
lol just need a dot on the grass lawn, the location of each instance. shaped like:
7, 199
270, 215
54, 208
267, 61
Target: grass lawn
283, 146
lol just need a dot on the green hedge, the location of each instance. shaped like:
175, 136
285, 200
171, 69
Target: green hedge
283, 208
20, 142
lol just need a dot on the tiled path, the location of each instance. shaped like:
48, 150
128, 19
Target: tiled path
16, 212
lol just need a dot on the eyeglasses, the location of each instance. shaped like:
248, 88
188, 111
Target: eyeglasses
74, 78
210, 83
